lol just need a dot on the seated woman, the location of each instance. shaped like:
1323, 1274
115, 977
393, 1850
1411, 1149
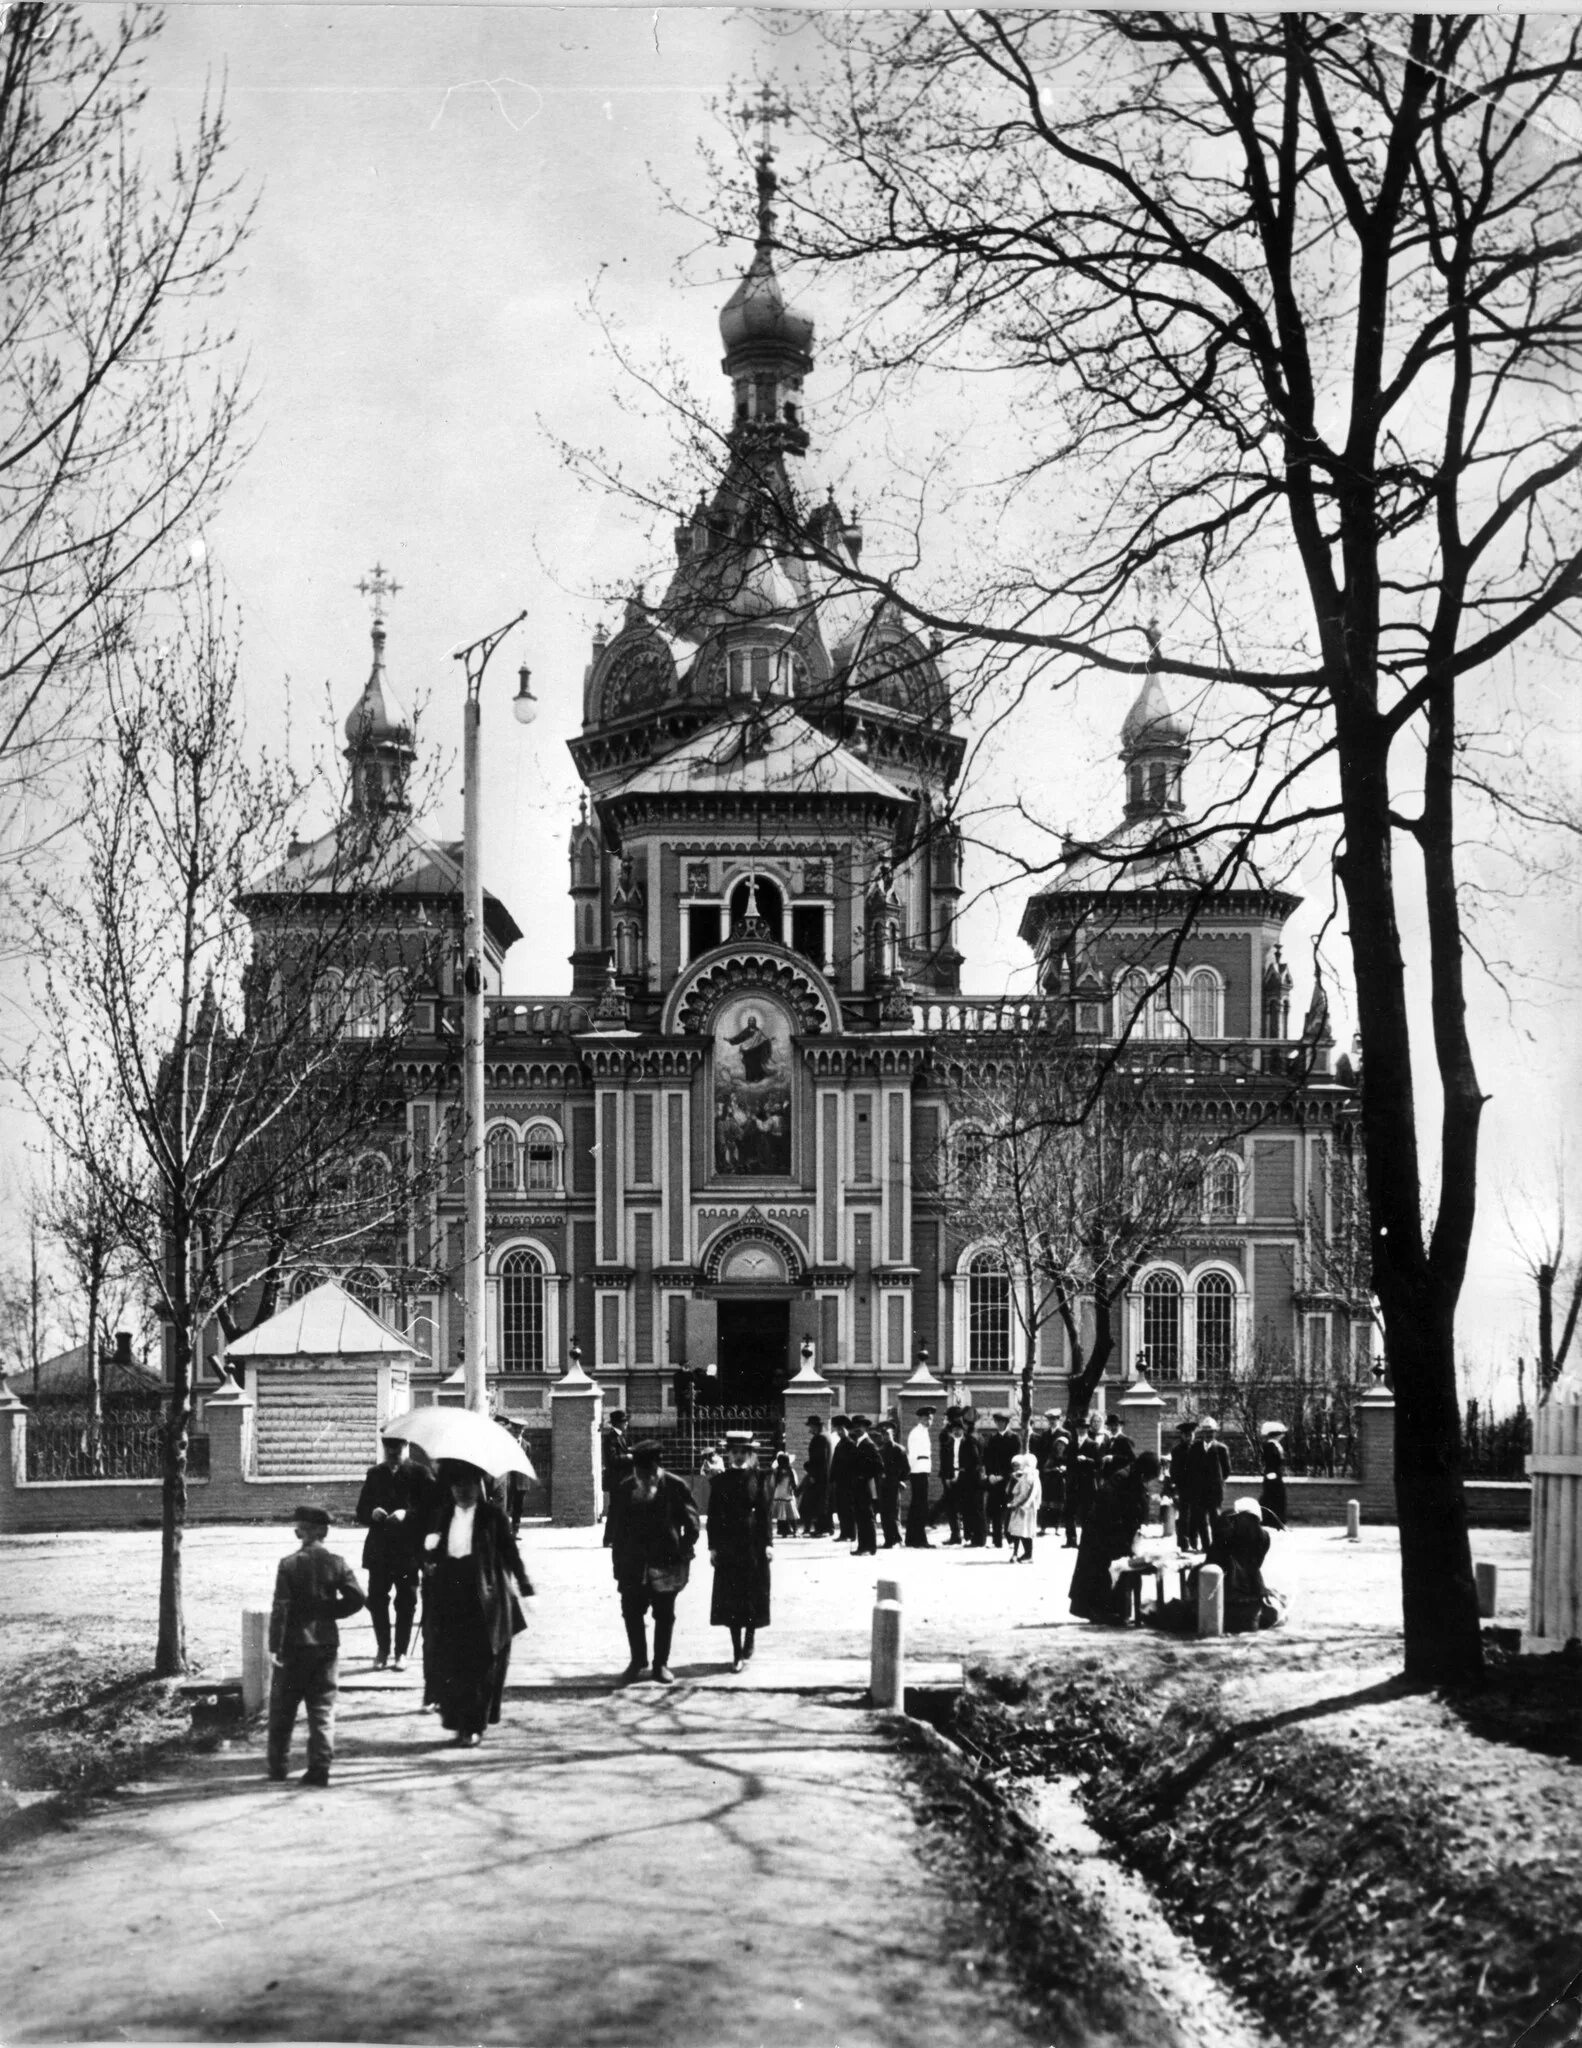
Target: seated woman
1239, 1545
1110, 1532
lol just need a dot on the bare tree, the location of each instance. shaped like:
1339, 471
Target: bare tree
118, 415
1556, 1275
1077, 1166
1287, 310
84, 1220
231, 998
28, 1323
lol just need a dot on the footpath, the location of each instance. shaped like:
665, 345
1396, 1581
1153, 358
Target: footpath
706, 1865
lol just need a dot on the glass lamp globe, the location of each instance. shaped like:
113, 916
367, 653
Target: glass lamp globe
526, 704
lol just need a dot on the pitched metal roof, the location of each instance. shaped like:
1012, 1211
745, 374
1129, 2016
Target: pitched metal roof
326, 1323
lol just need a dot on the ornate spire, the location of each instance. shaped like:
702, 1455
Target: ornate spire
1154, 742
379, 746
768, 348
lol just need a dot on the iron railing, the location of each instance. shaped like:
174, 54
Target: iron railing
67, 1444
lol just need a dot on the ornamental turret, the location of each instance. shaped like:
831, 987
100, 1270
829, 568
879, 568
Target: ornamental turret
379, 749
768, 347
1154, 746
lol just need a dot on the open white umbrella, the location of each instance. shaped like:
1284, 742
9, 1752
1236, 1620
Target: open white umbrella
460, 1433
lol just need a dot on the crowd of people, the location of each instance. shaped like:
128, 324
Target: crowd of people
449, 1533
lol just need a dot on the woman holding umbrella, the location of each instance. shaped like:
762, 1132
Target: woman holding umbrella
470, 1563
741, 1535
470, 1612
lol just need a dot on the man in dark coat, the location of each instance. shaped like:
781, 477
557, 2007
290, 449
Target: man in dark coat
740, 1537
684, 1387
999, 1447
867, 1476
815, 1479
1051, 1447
392, 1508
970, 1482
314, 1591
615, 1460
896, 1473
1082, 1479
653, 1531
1119, 1450
1207, 1469
1180, 1457
843, 1478
949, 1509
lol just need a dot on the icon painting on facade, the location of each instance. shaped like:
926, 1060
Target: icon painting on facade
752, 1088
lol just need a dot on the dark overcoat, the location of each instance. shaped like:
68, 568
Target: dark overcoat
740, 1536
655, 1548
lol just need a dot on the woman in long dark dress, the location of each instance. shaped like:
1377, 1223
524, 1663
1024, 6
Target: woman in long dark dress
1274, 1471
741, 1536
1119, 1510
470, 1612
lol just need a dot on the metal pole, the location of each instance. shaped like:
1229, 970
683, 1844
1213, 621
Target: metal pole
475, 1363
474, 1240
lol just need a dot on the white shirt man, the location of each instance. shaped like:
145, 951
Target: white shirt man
920, 1460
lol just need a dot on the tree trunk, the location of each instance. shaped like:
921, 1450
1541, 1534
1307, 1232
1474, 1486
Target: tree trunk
1438, 1597
170, 1654
1546, 1328
1085, 1380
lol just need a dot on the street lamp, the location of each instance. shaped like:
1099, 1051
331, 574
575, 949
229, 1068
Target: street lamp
474, 660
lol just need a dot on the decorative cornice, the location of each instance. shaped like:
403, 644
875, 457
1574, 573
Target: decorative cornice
884, 1056
752, 1226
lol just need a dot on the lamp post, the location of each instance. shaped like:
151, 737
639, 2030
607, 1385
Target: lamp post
474, 660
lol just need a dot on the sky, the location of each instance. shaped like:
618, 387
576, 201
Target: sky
442, 193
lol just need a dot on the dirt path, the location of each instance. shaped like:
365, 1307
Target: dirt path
691, 1868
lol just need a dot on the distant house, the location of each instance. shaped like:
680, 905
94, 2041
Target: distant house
65, 1380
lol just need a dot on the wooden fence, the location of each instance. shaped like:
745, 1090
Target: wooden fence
1554, 1614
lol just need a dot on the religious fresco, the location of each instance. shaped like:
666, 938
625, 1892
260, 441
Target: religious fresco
752, 1088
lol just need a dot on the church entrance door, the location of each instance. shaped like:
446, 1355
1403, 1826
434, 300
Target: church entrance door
754, 1353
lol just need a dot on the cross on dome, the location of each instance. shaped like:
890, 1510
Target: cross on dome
377, 585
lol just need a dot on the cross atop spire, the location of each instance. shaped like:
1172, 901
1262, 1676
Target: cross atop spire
767, 110
378, 586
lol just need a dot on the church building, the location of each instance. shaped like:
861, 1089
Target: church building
729, 1137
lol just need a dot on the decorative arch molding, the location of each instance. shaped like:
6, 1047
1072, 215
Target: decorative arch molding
752, 1228
737, 970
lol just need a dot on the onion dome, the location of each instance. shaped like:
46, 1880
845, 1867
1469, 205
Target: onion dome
1151, 725
756, 312
378, 739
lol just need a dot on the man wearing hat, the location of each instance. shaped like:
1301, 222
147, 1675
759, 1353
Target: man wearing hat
815, 1479
652, 1532
842, 1478
1119, 1450
1180, 1455
393, 1508
740, 1537
1049, 1447
999, 1448
314, 1591
1207, 1469
1082, 1479
867, 1470
919, 1466
896, 1472
949, 1509
970, 1482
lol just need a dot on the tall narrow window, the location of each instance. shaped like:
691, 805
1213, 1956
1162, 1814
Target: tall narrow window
1162, 1325
1216, 1326
522, 1312
974, 1170
807, 931
988, 1314
703, 928
543, 1160
1204, 1010
1130, 1005
1222, 1190
500, 1159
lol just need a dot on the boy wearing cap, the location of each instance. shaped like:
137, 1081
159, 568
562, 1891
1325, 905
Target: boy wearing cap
314, 1591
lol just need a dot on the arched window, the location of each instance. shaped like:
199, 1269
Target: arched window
327, 999
543, 1159
1162, 1325
1203, 1012
1216, 1326
371, 1184
771, 904
1165, 1009
522, 1312
500, 1160
364, 1286
988, 1314
973, 1161
1130, 999
364, 1005
303, 1283
1222, 1190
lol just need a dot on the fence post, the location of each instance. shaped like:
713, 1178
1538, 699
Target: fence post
807, 1395
255, 1658
1554, 1604
1142, 1415
1376, 1450
1487, 1579
1353, 1521
13, 1455
574, 1411
886, 1666
1210, 1601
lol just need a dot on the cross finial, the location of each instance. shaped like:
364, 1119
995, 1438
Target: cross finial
378, 586
766, 111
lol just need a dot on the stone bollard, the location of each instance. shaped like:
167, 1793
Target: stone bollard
1210, 1601
255, 1659
1353, 1521
887, 1664
1488, 1582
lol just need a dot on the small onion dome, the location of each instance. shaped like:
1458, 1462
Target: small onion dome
756, 312
1151, 723
377, 717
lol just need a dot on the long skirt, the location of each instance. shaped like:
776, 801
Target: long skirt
1093, 1597
465, 1674
740, 1598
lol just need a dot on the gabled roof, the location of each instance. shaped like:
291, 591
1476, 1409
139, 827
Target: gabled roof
759, 749
325, 1323
414, 865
